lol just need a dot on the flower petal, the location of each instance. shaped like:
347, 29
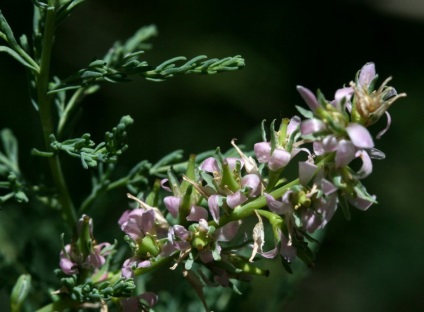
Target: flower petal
306, 172
293, 125
206, 256
124, 217
343, 93
197, 213
389, 122
165, 187
345, 153
236, 199
276, 206
139, 223
147, 222
367, 74
232, 162
327, 187
181, 232
150, 297
94, 260
228, 231
318, 148
213, 204
359, 136
311, 220
288, 251
253, 182
328, 209
330, 143
172, 203
68, 267
262, 151
279, 159
360, 203
311, 126
308, 97
366, 167
270, 254
209, 165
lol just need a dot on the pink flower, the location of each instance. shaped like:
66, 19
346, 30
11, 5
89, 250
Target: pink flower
73, 260
280, 156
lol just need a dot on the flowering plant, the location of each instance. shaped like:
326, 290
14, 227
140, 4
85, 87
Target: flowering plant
216, 218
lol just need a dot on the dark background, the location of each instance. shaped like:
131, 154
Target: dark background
371, 263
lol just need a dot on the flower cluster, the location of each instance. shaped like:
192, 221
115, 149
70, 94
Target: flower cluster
84, 271
338, 133
205, 216
84, 254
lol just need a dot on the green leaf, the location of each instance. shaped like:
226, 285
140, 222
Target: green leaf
66, 9
190, 173
17, 57
167, 160
89, 153
189, 262
304, 112
6, 197
19, 292
286, 265
7, 31
362, 192
21, 197
7, 34
120, 53
345, 207
273, 134
10, 146
168, 68
263, 131
119, 69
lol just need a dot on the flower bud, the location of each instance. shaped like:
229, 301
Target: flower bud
228, 179
201, 240
245, 266
148, 247
85, 230
20, 292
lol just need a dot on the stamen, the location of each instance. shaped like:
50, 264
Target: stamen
290, 242
180, 258
142, 204
385, 82
196, 186
258, 237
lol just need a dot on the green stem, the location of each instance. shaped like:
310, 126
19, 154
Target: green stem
60, 305
274, 177
249, 208
45, 110
69, 109
180, 166
260, 202
6, 161
153, 266
100, 190
267, 214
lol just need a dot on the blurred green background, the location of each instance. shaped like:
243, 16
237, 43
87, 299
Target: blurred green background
371, 263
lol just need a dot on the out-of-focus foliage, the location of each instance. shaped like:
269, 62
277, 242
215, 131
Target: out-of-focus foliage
368, 264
